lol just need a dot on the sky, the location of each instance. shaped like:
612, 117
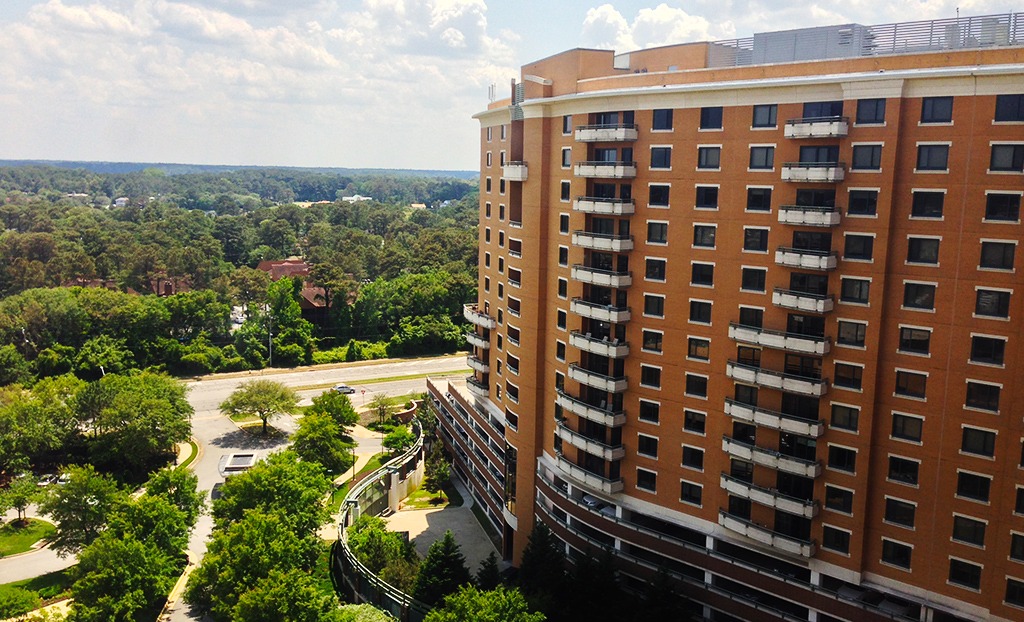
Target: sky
329, 83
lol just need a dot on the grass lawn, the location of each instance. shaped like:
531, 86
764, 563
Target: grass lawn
51, 586
339, 496
15, 538
192, 456
422, 499
244, 418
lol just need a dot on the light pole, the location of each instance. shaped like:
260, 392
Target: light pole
270, 337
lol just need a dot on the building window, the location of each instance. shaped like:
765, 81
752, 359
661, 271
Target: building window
655, 270
839, 499
844, 417
489, 134
657, 195
765, 115
709, 157
842, 459
927, 204
849, 376
896, 554
911, 384
919, 296
870, 111
652, 341
565, 191
657, 232
650, 376
501, 186
566, 157
563, 256
646, 480
837, 540
933, 157
563, 223
711, 118
1009, 108
661, 157
972, 486
982, 396
907, 428
755, 240
903, 470
1017, 547
1002, 207
696, 386
487, 184
867, 157
759, 199
997, 255
752, 316
915, 340
654, 305
863, 203
647, 445
707, 197
923, 250
964, 574
978, 442
662, 119
987, 350
1007, 158
762, 158
859, 247
650, 412
1018, 507
854, 290
992, 303
753, 279
567, 124
693, 458
560, 350
698, 348
694, 421
702, 274
1014, 592
690, 493
700, 311
937, 110
900, 512
704, 236
561, 319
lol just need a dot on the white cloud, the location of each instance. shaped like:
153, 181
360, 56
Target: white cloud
606, 27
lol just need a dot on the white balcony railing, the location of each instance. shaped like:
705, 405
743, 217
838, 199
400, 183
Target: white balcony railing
779, 340
764, 535
598, 276
515, 171
602, 313
813, 216
612, 384
602, 241
770, 458
603, 206
475, 316
814, 172
773, 420
769, 497
587, 478
606, 133
597, 414
802, 301
805, 259
817, 127
602, 347
607, 170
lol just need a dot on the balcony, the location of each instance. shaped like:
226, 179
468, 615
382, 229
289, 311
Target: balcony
606, 133
589, 445
475, 316
597, 276
808, 215
604, 207
477, 341
817, 127
814, 172
602, 241
770, 497
779, 340
802, 301
772, 379
761, 534
478, 364
514, 171
770, 458
805, 258
597, 414
606, 170
773, 420
593, 480
612, 384
602, 347
602, 313
477, 388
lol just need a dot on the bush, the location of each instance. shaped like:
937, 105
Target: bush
15, 601
334, 355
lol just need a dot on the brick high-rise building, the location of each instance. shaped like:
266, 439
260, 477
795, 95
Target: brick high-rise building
750, 311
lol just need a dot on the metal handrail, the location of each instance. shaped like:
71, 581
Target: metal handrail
604, 200
836, 164
811, 208
808, 251
795, 292
608, 126
829, 119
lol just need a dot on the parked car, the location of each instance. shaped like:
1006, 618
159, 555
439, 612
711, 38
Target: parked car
344, 388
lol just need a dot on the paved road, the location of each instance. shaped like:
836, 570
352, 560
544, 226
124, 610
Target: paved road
217, 435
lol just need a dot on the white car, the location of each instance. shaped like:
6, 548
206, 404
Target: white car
344, 388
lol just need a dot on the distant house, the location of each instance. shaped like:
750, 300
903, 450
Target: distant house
121, 202
356, 198
311, 297
418, 205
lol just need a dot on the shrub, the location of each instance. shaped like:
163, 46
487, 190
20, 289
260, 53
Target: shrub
15, 601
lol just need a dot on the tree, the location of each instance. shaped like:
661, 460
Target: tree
81, 508
542, 571
437, 473
318, 439
442, 572
337, 406
180, 487
374, 546
22, 492
261, 398
498, 605
399, 440
153, 520
381, 406
488, 576
291, 595
119, 576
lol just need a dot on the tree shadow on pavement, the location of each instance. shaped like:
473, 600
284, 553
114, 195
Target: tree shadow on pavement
251, 439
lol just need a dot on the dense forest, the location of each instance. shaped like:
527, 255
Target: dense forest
78, 268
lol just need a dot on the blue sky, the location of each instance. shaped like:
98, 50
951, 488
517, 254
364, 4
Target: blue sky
355, 83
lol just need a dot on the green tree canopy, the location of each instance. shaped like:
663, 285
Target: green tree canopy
22, 492
291, 595
442, 572
318, 439
81, 508
498, 605
399, 439
337, 406
265, 399
180, 487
